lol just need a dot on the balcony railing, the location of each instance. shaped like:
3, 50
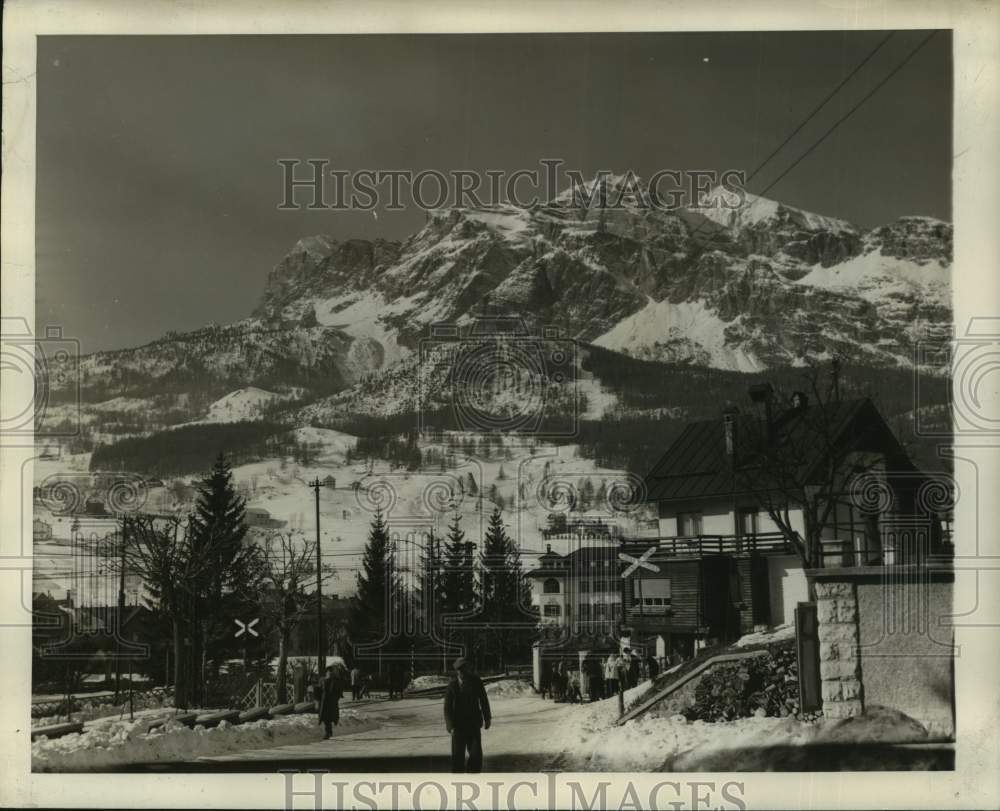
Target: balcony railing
702, 545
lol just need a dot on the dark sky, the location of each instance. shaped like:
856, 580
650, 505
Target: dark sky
158, 184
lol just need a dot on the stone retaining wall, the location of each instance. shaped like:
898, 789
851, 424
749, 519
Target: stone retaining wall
886, 642
839, 661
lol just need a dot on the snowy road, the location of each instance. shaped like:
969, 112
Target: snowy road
413, 739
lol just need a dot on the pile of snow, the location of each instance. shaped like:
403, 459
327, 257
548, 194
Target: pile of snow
111, 743
648, 743
509, 688
428, 682
777, 634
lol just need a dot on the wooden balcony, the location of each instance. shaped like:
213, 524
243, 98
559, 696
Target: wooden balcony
703, 545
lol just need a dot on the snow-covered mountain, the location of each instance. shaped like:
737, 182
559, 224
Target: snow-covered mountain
751, 287
763, 284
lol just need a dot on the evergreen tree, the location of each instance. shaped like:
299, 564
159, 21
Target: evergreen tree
504, 595
229, 568
430, 595
459, 570
368, 616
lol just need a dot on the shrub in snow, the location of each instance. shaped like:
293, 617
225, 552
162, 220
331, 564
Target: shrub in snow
762, 686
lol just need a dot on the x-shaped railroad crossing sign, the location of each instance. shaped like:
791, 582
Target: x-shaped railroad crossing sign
247, 626
642, 561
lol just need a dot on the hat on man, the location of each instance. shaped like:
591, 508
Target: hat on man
460, 662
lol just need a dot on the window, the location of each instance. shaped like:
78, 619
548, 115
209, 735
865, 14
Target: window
550, 586
746, 522
584, 585
551, 610
688, 524
650, 592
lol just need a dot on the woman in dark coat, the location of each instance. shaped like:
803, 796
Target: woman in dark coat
331, 688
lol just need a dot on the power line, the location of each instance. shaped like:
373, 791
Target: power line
821, 105
853, 110
836, 124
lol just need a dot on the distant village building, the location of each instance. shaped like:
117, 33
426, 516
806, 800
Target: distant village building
257, 517
41, 530
581, 526
260, 518
580, 591
330, 482
95, 508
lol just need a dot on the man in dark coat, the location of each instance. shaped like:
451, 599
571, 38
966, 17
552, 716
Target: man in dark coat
330, 690
652, 666
466, 714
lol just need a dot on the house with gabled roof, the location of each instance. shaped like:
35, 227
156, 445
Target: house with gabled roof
745, 501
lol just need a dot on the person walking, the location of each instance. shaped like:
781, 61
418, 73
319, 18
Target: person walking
559, 681
595, 677
466, 714
355, 683
330, 690
633, 668
623, 670
653, 667
573, 688
545, 679
610, 676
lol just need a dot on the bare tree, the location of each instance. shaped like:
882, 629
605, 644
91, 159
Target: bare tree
288, 564
801, 459
162, 552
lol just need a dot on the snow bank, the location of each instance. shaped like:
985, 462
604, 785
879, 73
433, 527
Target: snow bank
111, 743
509, 688
589, 739
776, 634
427, 682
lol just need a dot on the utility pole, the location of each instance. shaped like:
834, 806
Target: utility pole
835, 374
320, 647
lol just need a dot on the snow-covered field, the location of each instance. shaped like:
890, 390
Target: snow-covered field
111, 743
412, 502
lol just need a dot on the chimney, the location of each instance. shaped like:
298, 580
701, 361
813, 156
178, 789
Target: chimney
729, 424
764, 393
835, 378
548, 549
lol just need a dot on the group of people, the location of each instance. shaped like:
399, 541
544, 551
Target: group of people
594, 678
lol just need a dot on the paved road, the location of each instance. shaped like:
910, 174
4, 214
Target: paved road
413, 739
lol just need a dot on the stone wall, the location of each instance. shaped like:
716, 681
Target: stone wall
839, 660
885, 642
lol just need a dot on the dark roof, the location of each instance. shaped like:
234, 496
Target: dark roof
566, 562
697, 466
